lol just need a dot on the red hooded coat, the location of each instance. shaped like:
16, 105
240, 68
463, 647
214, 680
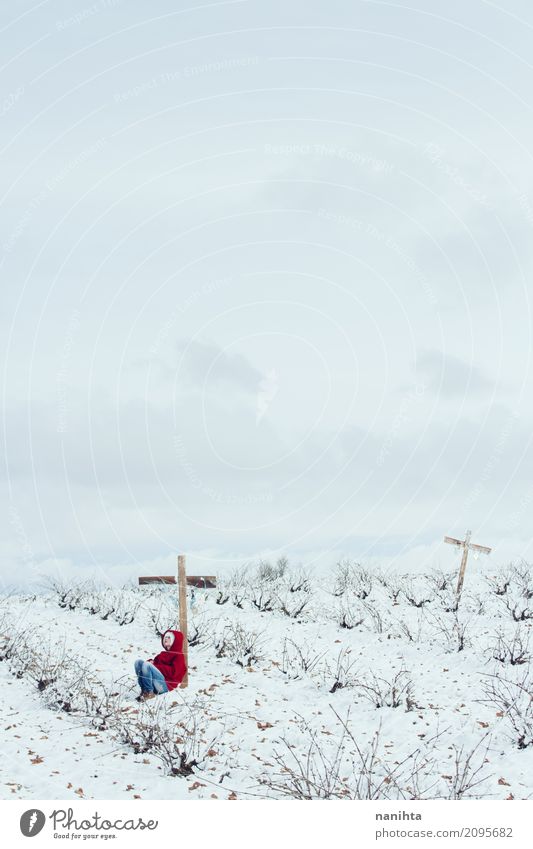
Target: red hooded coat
172, 663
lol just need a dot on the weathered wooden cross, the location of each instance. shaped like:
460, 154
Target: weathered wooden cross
466, 546
182, 580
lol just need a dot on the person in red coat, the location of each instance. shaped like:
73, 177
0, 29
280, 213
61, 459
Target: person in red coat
165, 671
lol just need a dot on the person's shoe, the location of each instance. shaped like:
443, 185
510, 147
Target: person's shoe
145, 696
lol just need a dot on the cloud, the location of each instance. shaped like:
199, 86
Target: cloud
209, 365
451, 377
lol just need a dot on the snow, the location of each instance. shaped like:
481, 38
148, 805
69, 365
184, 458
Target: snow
242, 715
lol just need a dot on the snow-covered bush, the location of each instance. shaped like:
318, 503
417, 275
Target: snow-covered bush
267, 572
300, 581
179, 734
514, 701
512, 648
352, 578
417, 591
162, 613
440, 581
387, 692
12, 644
243, 646
338, 767
499, 584
199, 630
375, 618
47, 665
518, 600
297, 660
412, 628
262, 597
292, 603
453, 630
341, 673
348, 614
467, 772
73, 690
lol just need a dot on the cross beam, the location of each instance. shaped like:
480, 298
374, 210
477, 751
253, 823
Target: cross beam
467, 546
207, 582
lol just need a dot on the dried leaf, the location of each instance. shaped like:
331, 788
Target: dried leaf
195, 785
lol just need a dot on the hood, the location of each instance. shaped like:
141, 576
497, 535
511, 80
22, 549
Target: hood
177, 645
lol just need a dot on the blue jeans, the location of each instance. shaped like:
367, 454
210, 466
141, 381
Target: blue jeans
150, 679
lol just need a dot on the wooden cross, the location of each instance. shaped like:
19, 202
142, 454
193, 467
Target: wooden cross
182, 580
466, 546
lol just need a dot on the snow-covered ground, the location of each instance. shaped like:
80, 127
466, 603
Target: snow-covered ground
349, 685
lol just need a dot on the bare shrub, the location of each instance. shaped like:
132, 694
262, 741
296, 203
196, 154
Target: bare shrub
514, 590
223, 593
267, 572
511, 649
388, 692
440, 581
352, 578
127, 607
298, 660
412, 630
514, 701
240, 645
72, 691
500, 583
343, 577
200, 630
416, 592
395, 588
12, 644
262, 597
468, 767
238, 587
179, 734
447, 599
376, 617
187, 746
162, 615
292, 603
46, 666
342, 671
340, 768
348, 615
58, 588
518, 604
453, 630
300, 582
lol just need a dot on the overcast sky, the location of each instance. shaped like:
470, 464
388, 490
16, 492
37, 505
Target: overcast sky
266, 275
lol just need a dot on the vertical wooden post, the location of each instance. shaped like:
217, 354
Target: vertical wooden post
182, 601
463, 564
